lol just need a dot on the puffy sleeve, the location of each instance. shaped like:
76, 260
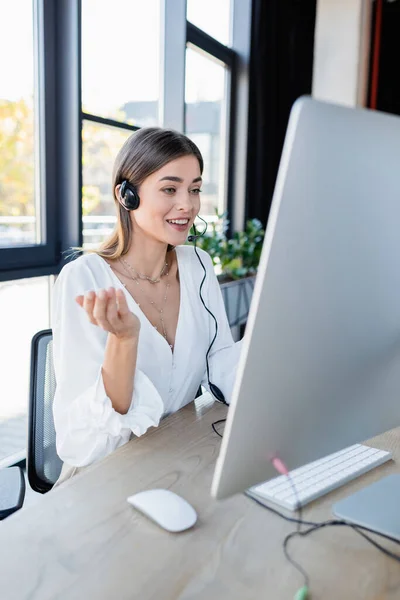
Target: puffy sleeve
224, 355
87, 426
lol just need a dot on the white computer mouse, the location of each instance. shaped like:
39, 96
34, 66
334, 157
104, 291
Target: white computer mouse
167, 509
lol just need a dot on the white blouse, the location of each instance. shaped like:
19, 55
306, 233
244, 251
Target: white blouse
87, 426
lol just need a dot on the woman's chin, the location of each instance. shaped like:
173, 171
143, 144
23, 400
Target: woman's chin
177, 238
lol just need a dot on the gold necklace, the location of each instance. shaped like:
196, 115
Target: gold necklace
159, 310
146, 277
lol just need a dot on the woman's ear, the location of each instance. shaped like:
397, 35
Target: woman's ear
117, 192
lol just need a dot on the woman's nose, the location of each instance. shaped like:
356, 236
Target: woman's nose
185, 201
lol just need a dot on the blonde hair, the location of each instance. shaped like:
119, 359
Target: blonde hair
143, 153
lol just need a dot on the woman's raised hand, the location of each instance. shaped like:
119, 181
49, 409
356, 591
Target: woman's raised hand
109, 310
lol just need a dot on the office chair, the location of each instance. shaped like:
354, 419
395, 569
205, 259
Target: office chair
44, 464
12, 491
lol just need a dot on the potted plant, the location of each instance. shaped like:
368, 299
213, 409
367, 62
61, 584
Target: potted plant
235, 261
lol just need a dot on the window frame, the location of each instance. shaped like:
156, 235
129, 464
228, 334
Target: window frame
198, 39
35, 259
108, 122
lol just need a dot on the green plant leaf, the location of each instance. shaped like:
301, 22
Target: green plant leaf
238, 256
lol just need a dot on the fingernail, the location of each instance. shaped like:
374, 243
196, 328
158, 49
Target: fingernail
101, 294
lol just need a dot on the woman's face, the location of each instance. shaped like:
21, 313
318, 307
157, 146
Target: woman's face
169, 201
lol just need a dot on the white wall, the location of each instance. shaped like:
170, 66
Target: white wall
341, 51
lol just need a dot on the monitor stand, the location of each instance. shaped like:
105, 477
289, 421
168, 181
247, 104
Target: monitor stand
376, 506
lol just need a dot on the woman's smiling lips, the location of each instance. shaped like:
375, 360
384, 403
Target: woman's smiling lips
178, 224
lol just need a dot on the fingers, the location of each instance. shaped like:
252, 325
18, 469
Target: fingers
123, 308
105, 308
89, 300
100, 309
112, 309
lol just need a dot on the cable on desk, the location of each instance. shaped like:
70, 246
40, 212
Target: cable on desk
315, 526
303, 593
217, 423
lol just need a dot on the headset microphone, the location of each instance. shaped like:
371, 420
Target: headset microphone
196, 236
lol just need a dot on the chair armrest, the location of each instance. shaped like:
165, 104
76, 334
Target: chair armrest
12, 490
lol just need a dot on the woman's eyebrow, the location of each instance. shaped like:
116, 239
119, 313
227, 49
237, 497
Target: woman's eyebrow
177, 179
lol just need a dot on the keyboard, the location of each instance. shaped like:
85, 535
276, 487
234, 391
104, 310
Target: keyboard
320, 477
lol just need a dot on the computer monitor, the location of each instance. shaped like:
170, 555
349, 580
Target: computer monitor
320, 363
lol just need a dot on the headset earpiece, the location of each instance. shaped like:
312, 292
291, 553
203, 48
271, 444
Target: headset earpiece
129, 196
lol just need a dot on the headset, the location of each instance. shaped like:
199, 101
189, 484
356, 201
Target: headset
129, 196
130, 200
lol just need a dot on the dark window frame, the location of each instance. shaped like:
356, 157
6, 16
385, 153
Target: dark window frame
108, 122
37, 259
197, 38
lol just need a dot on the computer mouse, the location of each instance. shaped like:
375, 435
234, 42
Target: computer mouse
167, 509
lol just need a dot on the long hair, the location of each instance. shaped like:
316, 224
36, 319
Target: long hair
143, 153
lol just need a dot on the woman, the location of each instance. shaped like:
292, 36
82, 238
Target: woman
131, 334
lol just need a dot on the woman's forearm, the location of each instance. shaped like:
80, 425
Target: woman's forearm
118, 371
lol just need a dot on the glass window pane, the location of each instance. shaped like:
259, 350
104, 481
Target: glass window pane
18, 213
205, 124
120, 59
100, 145
24, 310
212, 17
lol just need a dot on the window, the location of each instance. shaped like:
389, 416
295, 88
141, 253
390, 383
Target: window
212, 17
19, 207
205, 123
25, 310
120, 93
28, 157
120, 60
210, 85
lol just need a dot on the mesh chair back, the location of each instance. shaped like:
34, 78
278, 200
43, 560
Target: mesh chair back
44, 465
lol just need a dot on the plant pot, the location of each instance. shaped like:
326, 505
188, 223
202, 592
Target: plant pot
237, 299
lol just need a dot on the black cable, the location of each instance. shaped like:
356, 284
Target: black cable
294, 563
217, 423
322, 523
207, 309
216, 392
314, 526
357, 528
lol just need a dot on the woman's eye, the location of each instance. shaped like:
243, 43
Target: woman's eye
196, 191
169, 190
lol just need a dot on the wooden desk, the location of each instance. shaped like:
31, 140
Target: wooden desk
84, 541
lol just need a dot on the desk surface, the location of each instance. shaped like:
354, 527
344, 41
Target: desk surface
83, 540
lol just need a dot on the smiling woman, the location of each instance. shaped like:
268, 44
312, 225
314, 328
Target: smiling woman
143, 163
132, 338
158, 203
